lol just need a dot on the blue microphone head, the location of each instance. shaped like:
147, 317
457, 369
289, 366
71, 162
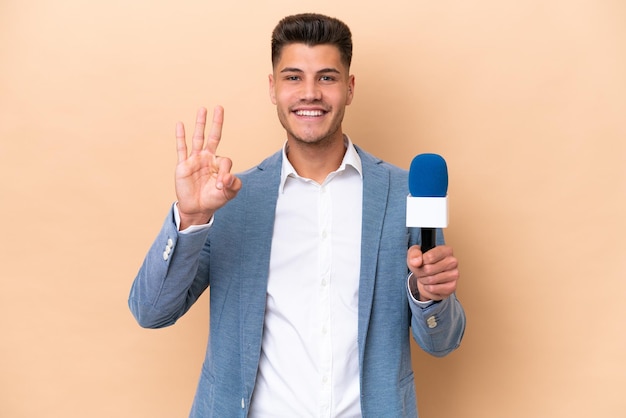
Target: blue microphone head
428, 176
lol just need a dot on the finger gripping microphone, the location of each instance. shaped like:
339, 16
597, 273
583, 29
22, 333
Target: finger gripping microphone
427, 202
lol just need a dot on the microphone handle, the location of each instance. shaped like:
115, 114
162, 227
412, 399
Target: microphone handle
429, 238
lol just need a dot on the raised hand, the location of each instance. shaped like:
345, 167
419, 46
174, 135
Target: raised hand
436, 271
204, 182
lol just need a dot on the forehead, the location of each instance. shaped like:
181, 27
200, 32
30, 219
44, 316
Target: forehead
310, 58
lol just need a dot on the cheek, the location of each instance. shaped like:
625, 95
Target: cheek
283, 98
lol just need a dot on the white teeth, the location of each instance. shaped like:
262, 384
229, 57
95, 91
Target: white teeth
309, 113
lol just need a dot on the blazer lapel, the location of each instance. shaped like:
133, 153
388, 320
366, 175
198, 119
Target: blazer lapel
260, 191
375, 195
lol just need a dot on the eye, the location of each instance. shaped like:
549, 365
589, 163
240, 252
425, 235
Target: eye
327, 78
292, 78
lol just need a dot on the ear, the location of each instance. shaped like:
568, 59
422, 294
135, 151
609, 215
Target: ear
272, 91
350, 90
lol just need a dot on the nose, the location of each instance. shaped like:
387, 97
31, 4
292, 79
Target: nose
311, 91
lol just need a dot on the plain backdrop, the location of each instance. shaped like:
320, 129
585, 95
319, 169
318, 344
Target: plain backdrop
524, 99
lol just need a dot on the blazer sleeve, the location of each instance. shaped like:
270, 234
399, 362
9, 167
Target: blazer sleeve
438, 328
172, 277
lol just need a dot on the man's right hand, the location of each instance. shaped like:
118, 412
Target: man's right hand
204, 182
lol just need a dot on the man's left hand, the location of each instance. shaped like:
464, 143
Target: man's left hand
436, 271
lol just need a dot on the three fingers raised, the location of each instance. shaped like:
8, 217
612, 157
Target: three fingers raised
197, 142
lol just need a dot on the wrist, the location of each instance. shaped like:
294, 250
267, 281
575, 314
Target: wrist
186, 220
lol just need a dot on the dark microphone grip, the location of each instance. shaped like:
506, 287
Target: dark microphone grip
429, 239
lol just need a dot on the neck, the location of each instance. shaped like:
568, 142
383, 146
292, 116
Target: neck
315, 160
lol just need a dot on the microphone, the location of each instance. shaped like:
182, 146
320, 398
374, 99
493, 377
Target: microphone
427, 202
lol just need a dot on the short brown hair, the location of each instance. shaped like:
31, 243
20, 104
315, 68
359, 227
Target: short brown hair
312, 29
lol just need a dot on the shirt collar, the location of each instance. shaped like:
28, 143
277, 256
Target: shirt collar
351, 158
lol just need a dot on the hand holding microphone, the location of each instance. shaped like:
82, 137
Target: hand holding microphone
435, 269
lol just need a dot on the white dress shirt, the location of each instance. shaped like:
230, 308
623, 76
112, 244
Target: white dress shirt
309, 364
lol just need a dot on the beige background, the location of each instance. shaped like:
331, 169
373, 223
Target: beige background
525, 100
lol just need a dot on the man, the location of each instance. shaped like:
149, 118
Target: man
315, 279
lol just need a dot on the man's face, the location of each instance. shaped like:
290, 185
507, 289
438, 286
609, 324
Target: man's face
311, 87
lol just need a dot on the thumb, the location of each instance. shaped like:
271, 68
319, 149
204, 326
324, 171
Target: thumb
415, 257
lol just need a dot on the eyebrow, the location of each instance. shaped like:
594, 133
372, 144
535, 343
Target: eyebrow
298, 70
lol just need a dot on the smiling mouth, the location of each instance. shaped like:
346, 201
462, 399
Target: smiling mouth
310, 113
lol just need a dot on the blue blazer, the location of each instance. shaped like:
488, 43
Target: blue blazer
233, 258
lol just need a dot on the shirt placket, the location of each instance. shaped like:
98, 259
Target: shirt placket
325, 213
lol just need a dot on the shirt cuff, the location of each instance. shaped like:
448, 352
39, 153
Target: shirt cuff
419, 303
190, 228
